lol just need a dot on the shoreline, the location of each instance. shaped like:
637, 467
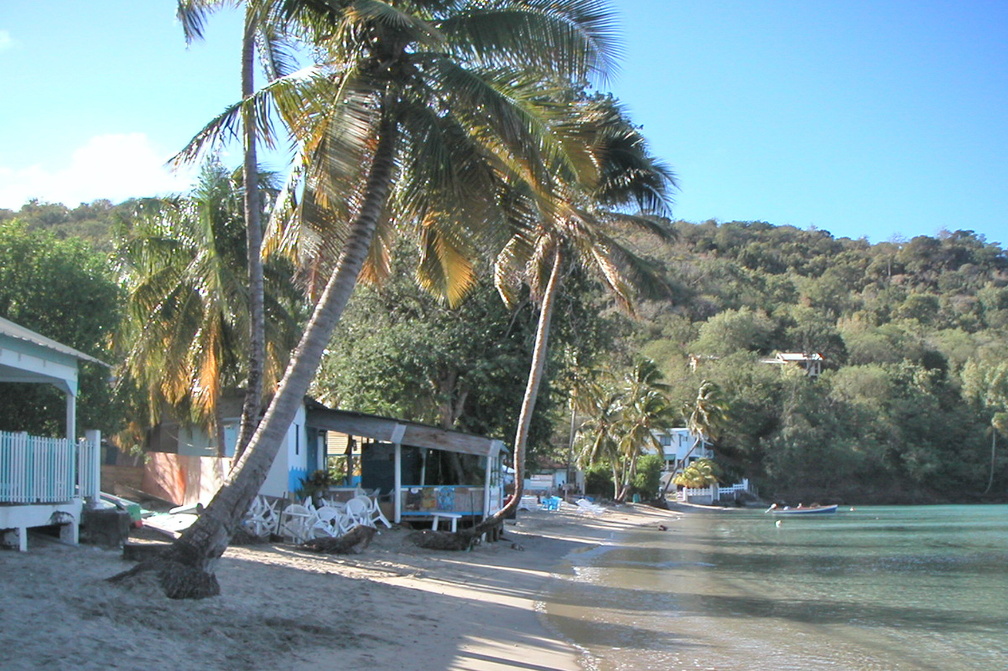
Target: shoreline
393, 606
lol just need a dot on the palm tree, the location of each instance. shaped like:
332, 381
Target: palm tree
182, 264
646, 408
425, 89
706, 415
583, 223
701, 473
622, 416
260, 27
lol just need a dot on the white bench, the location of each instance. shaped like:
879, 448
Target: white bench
438, 516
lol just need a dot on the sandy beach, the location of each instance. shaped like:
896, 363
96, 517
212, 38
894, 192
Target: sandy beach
395, 606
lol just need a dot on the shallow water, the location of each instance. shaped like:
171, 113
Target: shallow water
874, 589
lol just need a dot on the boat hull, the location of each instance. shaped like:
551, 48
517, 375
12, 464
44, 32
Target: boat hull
818, 510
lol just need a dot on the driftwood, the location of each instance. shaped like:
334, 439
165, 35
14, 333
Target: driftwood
352, 542
443, 540
462, 541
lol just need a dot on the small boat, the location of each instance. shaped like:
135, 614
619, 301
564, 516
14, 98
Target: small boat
801, 510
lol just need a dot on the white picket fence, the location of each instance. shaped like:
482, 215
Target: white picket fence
35, 469
714, 493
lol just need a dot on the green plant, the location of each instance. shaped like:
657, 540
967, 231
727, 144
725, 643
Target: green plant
315, 484
598, 480
647, 479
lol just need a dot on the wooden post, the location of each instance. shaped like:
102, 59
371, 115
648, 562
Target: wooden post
397, 436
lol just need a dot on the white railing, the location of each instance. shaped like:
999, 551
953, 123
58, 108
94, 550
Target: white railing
35, 469
715, 493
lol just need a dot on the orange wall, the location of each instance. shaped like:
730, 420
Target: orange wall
184, 480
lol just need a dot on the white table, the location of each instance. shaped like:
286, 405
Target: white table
438, 516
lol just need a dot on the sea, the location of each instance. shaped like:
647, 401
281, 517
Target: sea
922, 588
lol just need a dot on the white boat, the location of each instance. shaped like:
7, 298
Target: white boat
801, 510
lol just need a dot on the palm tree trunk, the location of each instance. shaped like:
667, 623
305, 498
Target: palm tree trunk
696, 443
536, 371
253, 226
197, 550
990, 480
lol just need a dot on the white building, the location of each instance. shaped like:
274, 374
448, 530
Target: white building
680, 448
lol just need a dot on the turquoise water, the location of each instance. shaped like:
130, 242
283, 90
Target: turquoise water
873, 589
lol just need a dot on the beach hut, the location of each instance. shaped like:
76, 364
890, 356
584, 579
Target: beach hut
44, 480
399, 460
396, 459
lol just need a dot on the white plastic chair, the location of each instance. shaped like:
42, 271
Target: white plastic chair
297, 522
375, 514
330, 522
586, 506
358, 509
261, 518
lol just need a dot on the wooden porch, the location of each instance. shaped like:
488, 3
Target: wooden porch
44, 480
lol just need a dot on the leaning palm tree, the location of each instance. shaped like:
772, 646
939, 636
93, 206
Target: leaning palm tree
457, 84
583, 223
706, 415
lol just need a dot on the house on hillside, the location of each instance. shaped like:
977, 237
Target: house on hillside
44, 480
415, 469
811, 363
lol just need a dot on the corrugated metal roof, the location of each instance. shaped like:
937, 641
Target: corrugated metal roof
9, 328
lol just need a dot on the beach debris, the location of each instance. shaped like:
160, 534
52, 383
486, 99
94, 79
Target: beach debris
354, 541
443, 540
662, 527
518, 546
779, 523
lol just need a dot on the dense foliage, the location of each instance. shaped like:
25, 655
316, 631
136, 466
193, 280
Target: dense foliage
401, 352
897, 323
912, 334
65, 291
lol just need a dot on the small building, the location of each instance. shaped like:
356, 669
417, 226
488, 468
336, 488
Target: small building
400, 460
811, 363
45, 480
680, 447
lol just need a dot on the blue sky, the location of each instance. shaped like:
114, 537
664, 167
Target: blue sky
882, 119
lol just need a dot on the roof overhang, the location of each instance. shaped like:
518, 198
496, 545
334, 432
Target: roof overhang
26, 356
389, 430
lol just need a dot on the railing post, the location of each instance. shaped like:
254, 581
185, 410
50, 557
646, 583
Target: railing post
91, 489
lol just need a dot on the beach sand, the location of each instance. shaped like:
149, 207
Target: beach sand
395, 606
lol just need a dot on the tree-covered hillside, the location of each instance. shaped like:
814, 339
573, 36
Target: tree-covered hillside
912, 333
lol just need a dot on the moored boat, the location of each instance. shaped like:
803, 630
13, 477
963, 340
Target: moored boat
801, 510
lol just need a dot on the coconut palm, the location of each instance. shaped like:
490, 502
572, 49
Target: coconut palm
646, 408
260, 29
583, 224
701, 473
409, 93
706, 415
182, 263
622, 416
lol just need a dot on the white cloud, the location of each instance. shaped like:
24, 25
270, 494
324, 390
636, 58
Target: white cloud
115, 167
6, 41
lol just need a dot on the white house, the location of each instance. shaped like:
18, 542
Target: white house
184, 466
680, 447
44, 480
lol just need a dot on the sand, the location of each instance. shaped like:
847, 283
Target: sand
395, 606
